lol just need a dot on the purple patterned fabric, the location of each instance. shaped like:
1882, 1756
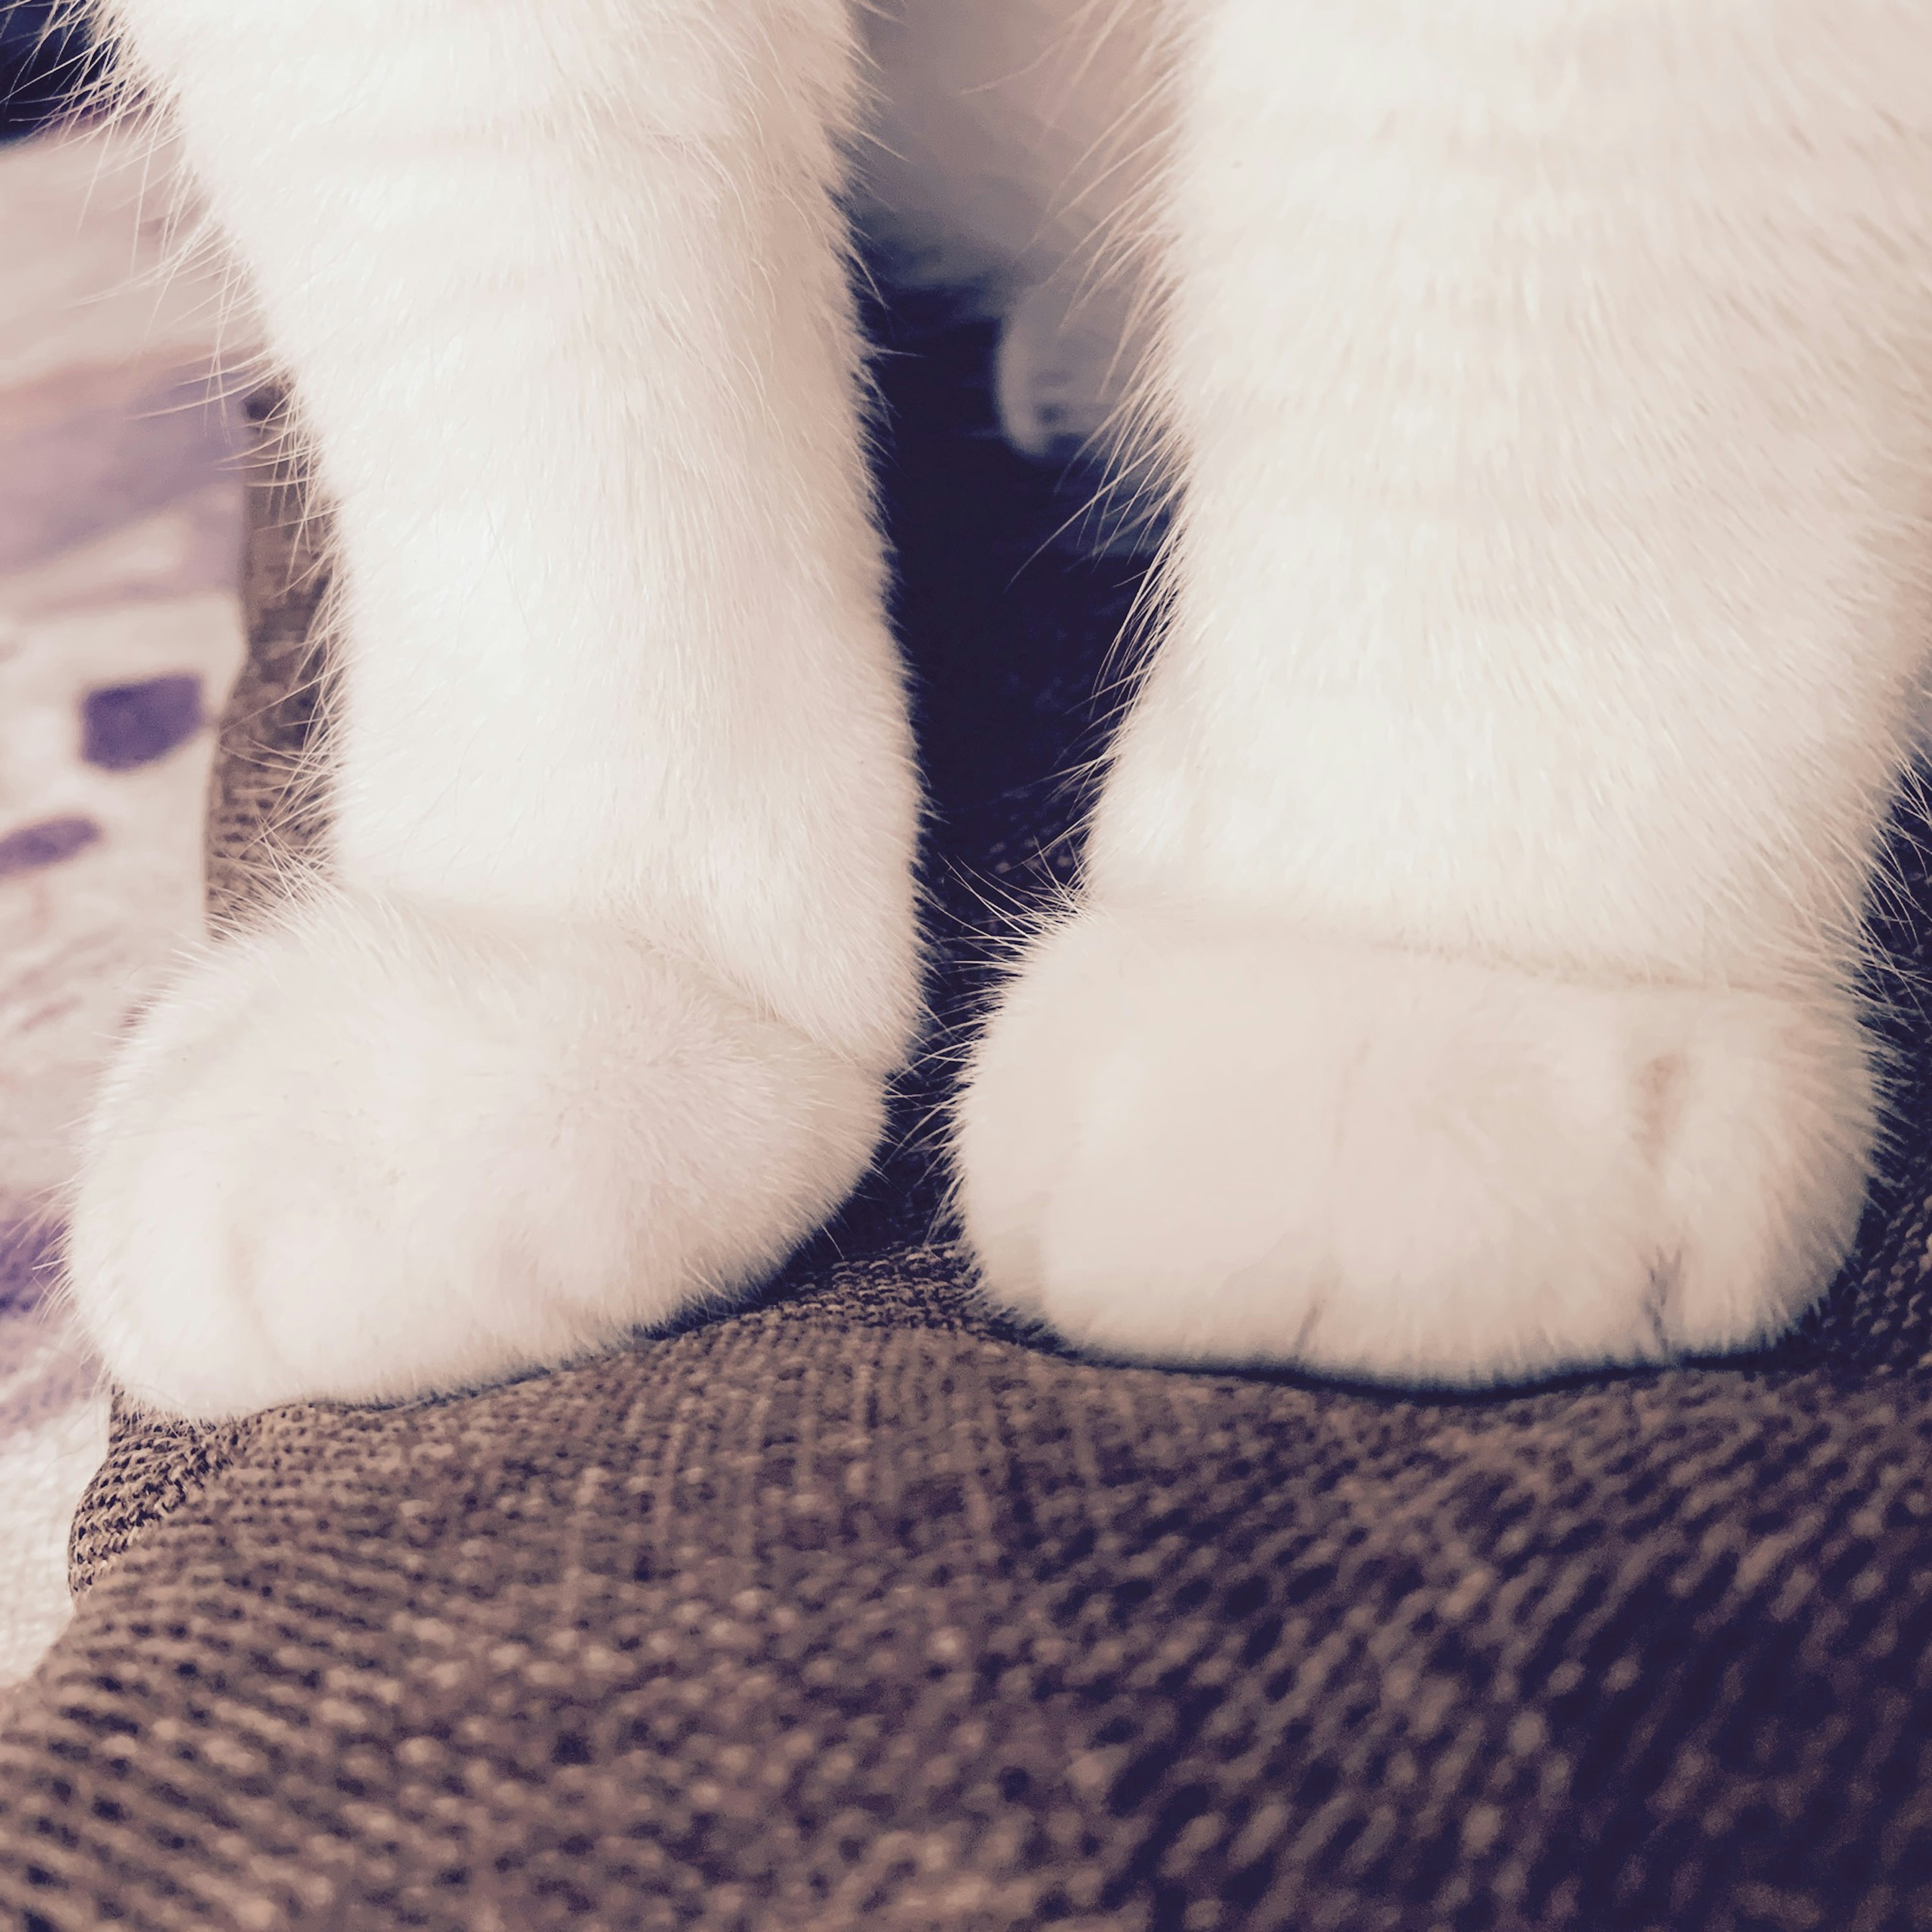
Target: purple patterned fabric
125, 725
46, 842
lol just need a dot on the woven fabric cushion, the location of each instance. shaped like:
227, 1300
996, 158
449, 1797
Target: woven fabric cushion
858, 1609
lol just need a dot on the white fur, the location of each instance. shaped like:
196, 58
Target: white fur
1013, 149
373, 1151
1550, 589
1006, 140
1461, 990
562, 289
1193, 1142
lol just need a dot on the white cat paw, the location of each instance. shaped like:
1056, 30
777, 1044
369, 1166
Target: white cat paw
1189, 1145
375, 1151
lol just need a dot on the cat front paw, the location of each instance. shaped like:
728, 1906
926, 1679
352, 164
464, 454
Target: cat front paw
1188, 1145
374, 1150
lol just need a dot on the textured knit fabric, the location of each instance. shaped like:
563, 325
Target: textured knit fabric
858, 1609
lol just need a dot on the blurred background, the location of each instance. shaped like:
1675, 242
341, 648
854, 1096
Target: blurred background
120, 631
46, 60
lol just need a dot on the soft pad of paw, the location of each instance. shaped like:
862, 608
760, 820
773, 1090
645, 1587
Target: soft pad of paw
1190, 1143
372, 1151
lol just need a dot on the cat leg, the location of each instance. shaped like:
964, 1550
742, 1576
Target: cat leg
591, 1022
1462, 985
